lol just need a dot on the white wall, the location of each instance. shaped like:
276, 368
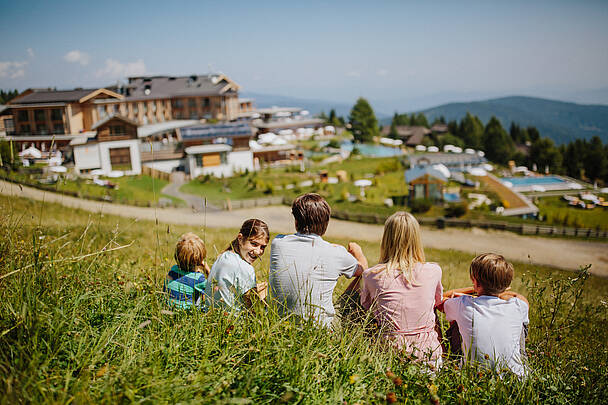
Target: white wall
87, 157
132, 144
237, 161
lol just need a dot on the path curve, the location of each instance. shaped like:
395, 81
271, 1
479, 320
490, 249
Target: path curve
562, 253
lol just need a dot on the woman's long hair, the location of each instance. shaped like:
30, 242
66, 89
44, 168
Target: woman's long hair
401, 246
251, 229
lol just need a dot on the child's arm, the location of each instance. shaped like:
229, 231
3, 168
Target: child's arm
260, 291
459, 291
507, 295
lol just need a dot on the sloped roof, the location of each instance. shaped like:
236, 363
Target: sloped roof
204, 149
419, 171
110, 118
52, 96
152, 87
413, 135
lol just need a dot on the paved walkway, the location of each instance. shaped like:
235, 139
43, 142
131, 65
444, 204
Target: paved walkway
196, 203
562, 253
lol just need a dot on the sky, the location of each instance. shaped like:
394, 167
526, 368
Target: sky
398, 54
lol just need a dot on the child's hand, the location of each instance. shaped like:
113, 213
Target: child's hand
262, 290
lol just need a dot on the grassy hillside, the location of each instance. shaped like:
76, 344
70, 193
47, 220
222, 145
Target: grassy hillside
83, 319
563, 122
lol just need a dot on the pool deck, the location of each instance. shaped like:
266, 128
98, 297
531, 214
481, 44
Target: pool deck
517, 203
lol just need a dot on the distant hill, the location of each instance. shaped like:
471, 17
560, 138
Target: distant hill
314, 106
561, 121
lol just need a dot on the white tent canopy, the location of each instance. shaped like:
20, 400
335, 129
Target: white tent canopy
31, 152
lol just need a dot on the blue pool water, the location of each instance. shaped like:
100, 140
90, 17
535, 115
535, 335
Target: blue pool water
372, 150
533, 181
451, 197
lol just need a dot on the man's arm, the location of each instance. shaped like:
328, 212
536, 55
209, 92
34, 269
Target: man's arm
507, 295
459, 291
355, 250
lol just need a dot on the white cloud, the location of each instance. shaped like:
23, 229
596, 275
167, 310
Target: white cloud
353, 73
12, 70
382, 72
77, 56
30, 52
116, 70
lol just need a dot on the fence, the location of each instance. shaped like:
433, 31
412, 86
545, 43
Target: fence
157, 174
522, 228
254, 202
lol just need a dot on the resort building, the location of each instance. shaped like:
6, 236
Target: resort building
112, 145
410, 135
425, 182
39, 116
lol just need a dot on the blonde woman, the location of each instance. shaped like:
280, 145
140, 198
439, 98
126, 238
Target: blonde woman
402, 291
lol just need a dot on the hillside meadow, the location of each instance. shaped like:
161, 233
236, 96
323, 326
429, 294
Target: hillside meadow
83, 319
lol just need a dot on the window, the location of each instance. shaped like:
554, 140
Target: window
10, 126
25, 129
39, 115
206, 102
193, 115
23, 116
178, 103
56, 114
42, 129
58, 129
117, 130
101, 112
192, 103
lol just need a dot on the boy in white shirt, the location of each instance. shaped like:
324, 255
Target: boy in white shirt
492, 324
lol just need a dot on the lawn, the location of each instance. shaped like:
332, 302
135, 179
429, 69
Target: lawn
133, 190
83, 319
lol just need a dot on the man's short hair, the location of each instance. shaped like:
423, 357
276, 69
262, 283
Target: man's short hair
492, 272
190, 252
311, 213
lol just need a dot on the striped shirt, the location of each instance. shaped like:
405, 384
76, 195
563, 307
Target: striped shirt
185, 290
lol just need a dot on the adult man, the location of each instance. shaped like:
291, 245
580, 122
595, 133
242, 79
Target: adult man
304, 268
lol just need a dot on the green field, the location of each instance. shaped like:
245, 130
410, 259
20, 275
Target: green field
83, 319
133, 190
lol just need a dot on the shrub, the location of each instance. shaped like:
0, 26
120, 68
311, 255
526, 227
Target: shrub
421, 205
456, 210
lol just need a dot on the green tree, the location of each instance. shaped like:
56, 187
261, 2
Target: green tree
544, 153
419, 120
595, 161
471, 131
497, 144
363, 121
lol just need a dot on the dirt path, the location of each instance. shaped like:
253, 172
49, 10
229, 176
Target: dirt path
563, 253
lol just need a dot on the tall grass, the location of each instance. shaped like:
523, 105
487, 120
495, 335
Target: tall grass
83, 319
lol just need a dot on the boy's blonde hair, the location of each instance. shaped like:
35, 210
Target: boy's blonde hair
401, 246
190, 252
492, 272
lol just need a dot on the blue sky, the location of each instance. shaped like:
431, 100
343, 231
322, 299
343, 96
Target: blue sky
396, 53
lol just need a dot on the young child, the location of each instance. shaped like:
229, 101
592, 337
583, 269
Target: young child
232, 281
402, 290
186, 279
492, 324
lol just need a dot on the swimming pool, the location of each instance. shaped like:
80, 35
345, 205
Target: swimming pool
538, 183
372, 150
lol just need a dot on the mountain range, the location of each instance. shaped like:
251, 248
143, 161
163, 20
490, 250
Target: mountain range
559, 120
